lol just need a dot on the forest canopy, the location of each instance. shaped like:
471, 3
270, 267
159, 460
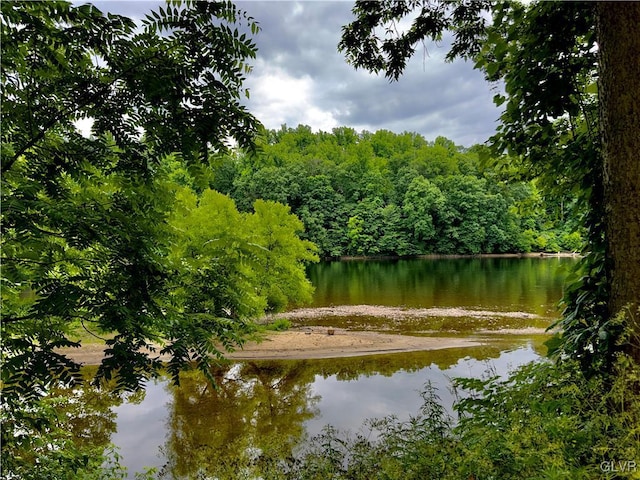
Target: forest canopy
385, 193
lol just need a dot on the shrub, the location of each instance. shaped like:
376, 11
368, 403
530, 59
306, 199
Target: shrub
279, 325
545, 421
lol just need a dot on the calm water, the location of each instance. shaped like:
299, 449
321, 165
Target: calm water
508, 284
275, 405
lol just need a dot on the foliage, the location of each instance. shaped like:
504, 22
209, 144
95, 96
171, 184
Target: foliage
279, 325
282, 255
544, 421
397, 194
373, 40
91, 238
241, 264
51, 438
83, 219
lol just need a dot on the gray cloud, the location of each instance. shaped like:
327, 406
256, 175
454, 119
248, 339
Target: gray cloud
300, 77
432, 97
132, 9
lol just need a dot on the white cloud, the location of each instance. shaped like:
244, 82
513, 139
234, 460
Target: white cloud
278, 97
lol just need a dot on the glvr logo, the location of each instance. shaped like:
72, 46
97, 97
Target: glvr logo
623, 466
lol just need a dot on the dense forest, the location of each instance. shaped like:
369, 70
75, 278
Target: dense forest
383, 193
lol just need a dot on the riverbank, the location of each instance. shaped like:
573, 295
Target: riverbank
324, 342
307, 343
394, 313
437, 256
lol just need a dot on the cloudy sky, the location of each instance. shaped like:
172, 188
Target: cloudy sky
300, 77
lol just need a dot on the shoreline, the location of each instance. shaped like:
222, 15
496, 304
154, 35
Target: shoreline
444, 256
394, 313
315, 342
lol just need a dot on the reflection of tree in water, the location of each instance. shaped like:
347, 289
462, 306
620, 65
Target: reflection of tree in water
258, 410
352, 368
81, 419
88, 414
89, 411
257, 407
506, 284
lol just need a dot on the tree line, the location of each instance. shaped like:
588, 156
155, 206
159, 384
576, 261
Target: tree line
383, 193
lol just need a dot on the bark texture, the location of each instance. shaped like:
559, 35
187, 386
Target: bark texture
619, 97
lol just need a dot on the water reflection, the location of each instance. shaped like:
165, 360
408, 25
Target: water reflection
273, 406
88, 413
505, 284
255, 407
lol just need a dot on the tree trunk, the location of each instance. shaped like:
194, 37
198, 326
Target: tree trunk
619, 97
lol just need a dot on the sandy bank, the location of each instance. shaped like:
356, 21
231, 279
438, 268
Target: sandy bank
315, 342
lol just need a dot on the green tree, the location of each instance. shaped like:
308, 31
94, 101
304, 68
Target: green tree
329, 178
365, 227
282, 255
212, 258
395, 239
422, 208
322, 211
270, 183
232, 266
554, 119
84, 219
475, 219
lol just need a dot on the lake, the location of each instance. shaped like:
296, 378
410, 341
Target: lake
275, 406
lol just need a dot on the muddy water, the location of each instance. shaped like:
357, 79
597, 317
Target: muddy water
274, 406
